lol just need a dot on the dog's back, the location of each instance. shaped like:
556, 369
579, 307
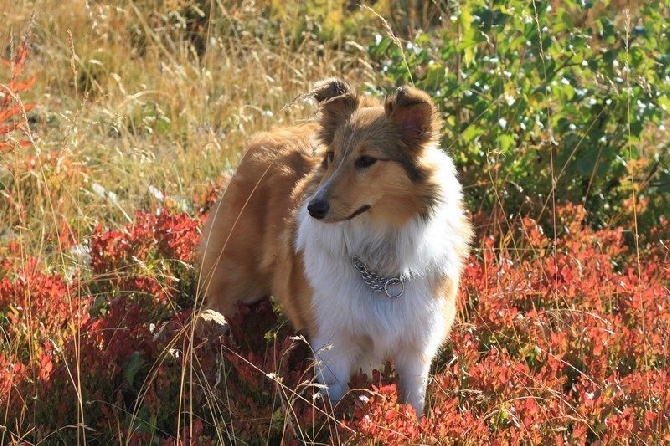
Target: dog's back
241, 244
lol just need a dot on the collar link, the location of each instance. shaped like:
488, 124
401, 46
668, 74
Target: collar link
393, 287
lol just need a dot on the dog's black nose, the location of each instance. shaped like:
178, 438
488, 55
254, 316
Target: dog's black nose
318, 208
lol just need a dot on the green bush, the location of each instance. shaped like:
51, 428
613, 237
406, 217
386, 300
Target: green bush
577, 97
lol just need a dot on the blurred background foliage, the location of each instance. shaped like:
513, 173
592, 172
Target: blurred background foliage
550, 102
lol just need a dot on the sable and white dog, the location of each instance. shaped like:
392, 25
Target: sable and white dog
355, 225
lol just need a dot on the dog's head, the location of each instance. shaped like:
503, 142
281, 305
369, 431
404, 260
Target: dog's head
374, 160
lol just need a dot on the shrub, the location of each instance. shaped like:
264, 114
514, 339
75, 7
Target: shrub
565, 346
540, 103
13, 116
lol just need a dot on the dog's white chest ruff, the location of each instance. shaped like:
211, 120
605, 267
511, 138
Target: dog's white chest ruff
342, 299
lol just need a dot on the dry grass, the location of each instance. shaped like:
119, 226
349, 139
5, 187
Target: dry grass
130, 102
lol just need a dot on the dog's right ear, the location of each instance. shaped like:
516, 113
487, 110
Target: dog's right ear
338, 100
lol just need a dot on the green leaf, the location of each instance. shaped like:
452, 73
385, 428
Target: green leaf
131, 368
471, 132
505, 142
434, 75
664, 102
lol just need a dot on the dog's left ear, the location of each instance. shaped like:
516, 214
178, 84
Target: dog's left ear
414, 115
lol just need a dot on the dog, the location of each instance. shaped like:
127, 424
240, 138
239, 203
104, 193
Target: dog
355, 225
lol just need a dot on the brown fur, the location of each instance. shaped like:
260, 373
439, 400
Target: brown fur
246, 247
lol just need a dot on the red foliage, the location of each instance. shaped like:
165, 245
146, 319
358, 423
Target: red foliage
37, 312
39, 302
204, 200
166, 235
124, 259
560, 345
559, 341
12, 111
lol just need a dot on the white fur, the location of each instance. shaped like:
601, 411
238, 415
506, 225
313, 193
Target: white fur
359, 328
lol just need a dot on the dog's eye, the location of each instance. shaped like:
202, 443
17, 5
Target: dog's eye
363, 162
328, 158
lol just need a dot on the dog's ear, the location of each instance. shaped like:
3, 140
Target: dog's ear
338, 101
414, 115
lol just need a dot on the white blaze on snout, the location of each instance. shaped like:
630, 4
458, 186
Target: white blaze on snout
322, 191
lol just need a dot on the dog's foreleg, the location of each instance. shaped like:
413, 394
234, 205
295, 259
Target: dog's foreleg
333, 360
413, 369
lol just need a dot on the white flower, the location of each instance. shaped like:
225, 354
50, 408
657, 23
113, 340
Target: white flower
502, 122
158, 195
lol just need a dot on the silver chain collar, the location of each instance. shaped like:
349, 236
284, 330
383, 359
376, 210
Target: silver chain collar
393, 287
